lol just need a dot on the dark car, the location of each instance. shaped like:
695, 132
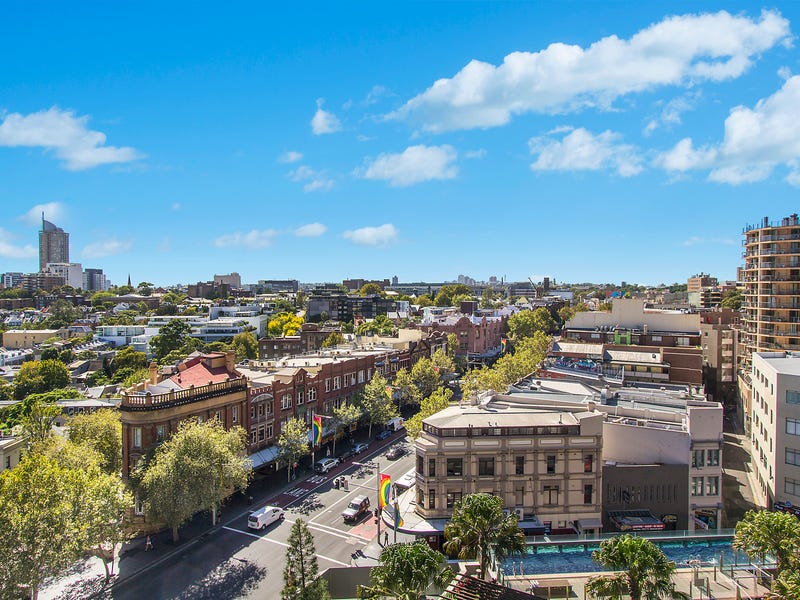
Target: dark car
359, 448
356, 509
395, 453
383, 434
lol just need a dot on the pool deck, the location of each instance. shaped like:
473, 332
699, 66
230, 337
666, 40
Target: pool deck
722, 586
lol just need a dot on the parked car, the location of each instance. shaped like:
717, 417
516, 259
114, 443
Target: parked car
359, 448
406, 481
395, 453
324, 465
383, 434
263, 517
356, 509
395, 424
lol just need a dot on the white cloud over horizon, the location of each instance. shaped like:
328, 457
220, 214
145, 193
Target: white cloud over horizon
676, 51
65, 135
290, 156
10, 250
755, 142
323, 121
253, 239
107, 247
315, 181
53, 212
415, 164
581, 150
310, 230
382, 235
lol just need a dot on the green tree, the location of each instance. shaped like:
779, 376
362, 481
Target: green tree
424, 300
170, 338
369, 289
37, 422
785, 587
380, 325
50, 353
66, 356
145, 288
443, 362
645, 571
406, 572
732, 299
344, 417
762, 533
437, 401
128, 358
195, 469
446, 294
245, 345
102, 431
301, 579
377, 402
40, 508
40, 376
284, 324
487, 298
293, 443
478, 527
527, 322
333, 340
405, 389
425, 376
99, 298
62, 313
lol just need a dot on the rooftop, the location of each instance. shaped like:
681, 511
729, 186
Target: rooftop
785, 363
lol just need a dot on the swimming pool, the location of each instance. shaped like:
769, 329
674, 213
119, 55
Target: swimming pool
577, 558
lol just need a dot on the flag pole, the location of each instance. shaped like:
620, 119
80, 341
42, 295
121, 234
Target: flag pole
313, 439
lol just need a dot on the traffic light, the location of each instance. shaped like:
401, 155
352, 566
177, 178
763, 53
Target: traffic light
377, 513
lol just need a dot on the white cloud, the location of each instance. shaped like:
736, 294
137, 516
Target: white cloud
672, 111
252, 239
696, 240
10, 250
324, 121
66, 135
793, 178
310, 230
105, 248
53, 211
481, 153
316, 181
679, 50
176, 206
756, 141
373, 236
414, 165
580, 150
290, 157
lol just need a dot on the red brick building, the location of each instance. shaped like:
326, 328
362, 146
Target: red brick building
476, 334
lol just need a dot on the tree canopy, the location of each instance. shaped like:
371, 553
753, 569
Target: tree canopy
171, 336
283, 324
40, 376
301, 579
406, 572
377, 402
293, 443
437, 401
526, 323
245, 345
102, 431
761, 533
446, 295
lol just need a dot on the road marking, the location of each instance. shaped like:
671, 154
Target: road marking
266, 539
332, 531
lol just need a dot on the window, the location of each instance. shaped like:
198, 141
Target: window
431, 467
161, 432
8, 462
551, 463
791, 486
137, 437
420, 465
261, 431
431, 499
452, 498
234, 414
455, 467
299, 398
260, 410
550, 494
588, 463
286, 401
793, 426
346, 379
519, 465
486, 466
337, 382
269, 431
682, 341
712, 458
253, 436
792, 397
697, 486
587, 493
361, 376
253, 412
712, 486
328, 385
792, 457
655, 338
698, 459
138, 506
312, 394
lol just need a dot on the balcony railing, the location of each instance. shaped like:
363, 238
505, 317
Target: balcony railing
139, 401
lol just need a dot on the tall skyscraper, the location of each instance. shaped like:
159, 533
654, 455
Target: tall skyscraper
53, 245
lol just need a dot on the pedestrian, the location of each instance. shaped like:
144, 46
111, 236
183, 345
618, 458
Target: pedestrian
385, 538
148, 545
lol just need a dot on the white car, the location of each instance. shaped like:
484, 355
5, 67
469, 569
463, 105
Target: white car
263, 517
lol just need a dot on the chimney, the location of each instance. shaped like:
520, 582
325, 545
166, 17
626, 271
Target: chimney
153, 373
230, 361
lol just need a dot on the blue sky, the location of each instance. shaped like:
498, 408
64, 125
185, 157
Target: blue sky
585, 141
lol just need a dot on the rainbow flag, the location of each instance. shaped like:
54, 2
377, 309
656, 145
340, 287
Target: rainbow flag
398, 518
385, 489
316, 427
503, 346
389, 392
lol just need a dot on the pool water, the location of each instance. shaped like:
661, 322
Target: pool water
542, 560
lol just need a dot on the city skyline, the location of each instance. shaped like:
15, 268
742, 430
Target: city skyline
423, 142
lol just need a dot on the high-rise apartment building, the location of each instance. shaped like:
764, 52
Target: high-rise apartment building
53, 245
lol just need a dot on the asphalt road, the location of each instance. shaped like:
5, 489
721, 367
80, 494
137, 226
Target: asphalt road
235, 562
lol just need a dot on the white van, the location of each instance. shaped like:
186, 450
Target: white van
395, 424
406, 481
263, 517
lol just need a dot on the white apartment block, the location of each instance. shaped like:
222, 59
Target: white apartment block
71, 272
775, 427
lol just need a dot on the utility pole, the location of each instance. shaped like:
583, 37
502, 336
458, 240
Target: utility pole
373, 464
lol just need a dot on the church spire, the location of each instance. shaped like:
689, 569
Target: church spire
129, 280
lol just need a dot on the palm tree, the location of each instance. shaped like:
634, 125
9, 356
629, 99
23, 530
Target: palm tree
785, 587
478, 527
644, 570
406, 571
762, 533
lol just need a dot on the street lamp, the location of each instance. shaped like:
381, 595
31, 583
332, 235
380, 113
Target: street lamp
373, 464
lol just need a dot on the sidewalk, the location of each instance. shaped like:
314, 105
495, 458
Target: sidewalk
86, 578
738, 489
